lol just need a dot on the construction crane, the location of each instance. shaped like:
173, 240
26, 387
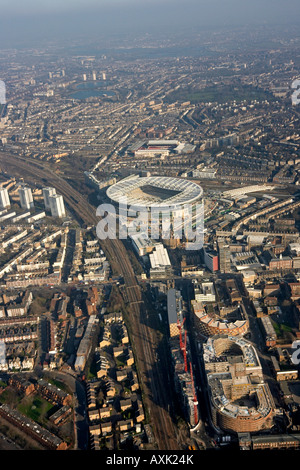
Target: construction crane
184, 352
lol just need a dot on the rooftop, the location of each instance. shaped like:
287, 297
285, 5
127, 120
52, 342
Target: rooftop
162, 192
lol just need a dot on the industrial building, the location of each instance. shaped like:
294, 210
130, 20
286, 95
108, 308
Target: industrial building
160, 262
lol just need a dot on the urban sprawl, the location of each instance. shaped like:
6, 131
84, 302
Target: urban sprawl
143, 343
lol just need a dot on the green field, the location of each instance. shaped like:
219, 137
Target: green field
281, 329
58, 384
35, 408
10, 397
219, 94
92, 371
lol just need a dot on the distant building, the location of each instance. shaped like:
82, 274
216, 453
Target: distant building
125, 425
159, 260
4, 198
33, 429
283, 262
174, 311
57, 206
269, 332
164, 148
26, 199
210, 324
240, 400
142, 243
205, 292
224, 258
205, 173
85, 346
211, 260
52, 393
60, 416
269, 442
47, 192
22, 384
36, 217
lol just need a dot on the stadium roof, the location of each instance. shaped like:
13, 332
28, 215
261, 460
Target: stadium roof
155, 191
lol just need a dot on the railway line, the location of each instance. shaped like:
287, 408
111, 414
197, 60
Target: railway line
84, 212
152, 378
145, 346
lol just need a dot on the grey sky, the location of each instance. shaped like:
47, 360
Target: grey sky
37, 18
19, 7
239, 9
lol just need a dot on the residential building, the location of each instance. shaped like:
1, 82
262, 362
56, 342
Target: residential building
57, 206
4, 198
26, 198
47, 193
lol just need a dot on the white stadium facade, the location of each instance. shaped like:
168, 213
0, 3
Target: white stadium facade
168, 203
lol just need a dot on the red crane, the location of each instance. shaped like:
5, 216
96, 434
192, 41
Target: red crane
184, 352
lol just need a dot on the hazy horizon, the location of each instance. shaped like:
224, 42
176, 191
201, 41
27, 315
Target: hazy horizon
31, 22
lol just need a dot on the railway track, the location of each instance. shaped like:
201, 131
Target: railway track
152, 378
85, 213
145, 345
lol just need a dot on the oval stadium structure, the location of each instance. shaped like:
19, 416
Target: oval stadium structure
159, 192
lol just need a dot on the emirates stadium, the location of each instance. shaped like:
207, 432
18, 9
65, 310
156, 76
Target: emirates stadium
174, 205
155, 192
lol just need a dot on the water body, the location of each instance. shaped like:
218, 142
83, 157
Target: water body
90, 90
